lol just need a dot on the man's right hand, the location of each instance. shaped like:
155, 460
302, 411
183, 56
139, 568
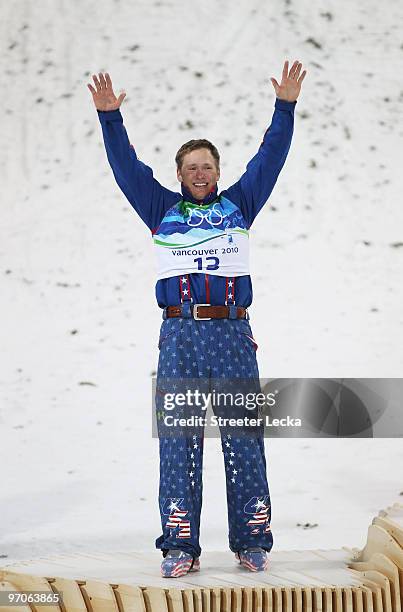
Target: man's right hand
103, 94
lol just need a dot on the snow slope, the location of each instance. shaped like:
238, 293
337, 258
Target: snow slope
80, 470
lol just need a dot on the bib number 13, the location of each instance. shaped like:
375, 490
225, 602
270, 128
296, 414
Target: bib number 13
214, 265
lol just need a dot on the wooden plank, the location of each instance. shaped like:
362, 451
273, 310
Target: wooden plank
155, 599
327, 600
187, 599
268, 599
307, 599
393, 528
317, 599
337, 597
318, 574
300, 581
7, 586
277, 578
373, 598
377, 600
277, 599
99, 596
215, 599
236, 599
308, 568
226, 597
380, 541
296, 599
347, 600
384, 565
205, 600
371, 577
72, 597
367, 599
247, 599
287, 599
129, 598
197, 600
257, 596
358, 605
174, 600
26, 582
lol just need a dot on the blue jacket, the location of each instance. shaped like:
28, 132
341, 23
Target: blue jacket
152, 201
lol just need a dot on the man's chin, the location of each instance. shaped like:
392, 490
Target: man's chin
200, 194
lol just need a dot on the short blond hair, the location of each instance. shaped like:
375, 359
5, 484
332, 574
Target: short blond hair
193, 145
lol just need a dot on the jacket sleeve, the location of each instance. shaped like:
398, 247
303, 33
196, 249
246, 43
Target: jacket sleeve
254, 187
148, 198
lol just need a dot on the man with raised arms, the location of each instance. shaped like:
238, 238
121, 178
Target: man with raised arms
201, 239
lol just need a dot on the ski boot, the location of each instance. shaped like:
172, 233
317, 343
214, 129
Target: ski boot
253, 559
178, 563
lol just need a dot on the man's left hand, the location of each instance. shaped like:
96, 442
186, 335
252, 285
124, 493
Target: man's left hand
291, 81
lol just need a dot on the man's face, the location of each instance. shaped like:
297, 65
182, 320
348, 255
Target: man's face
199, 173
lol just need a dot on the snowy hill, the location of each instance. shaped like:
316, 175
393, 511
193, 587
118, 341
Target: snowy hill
79, 318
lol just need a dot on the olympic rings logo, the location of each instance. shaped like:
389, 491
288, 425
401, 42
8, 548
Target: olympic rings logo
197, 216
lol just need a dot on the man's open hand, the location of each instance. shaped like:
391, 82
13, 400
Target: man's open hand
290, 86
103, 94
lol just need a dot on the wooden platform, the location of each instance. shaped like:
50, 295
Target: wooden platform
345, 580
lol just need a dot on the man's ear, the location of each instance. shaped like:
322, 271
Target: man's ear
178, 174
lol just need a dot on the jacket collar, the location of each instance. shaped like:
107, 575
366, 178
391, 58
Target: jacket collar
187, 196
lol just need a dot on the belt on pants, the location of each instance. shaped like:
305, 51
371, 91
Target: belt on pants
205, 312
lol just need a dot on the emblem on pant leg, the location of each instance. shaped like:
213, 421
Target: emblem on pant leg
173, 507
259, 508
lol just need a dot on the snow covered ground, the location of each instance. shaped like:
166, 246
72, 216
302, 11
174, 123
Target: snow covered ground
79, 466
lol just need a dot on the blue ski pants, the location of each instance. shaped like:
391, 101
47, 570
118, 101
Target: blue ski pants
206, 351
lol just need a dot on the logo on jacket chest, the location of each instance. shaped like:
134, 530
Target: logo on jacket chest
213, 216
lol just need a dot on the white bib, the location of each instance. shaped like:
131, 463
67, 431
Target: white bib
210, 239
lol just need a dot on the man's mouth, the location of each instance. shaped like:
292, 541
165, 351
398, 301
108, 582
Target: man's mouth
200, 184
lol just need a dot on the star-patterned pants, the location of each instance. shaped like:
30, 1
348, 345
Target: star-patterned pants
208, 351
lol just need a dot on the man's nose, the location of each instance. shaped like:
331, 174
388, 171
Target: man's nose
199, 173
